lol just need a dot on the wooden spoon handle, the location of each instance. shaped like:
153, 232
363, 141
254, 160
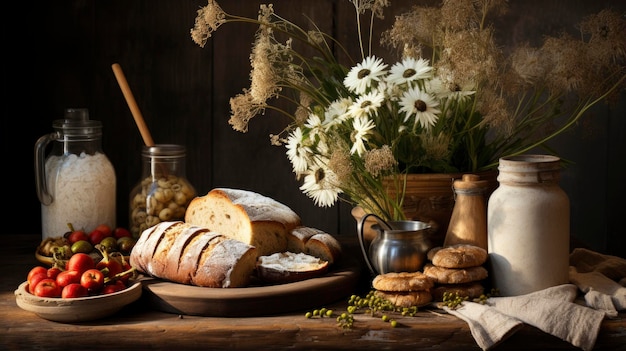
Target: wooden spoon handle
132, 105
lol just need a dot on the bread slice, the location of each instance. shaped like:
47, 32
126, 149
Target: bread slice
189, 254
324, 246
246, 216
297, 238
288, 267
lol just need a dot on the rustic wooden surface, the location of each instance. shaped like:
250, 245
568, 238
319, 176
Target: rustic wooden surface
138, 327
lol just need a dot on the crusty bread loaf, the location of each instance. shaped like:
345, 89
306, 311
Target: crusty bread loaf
189, 254
246, 216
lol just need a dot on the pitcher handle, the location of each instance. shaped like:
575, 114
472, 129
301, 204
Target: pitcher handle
40, 167
360, 227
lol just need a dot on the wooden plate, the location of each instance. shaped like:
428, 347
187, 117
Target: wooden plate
339, 282
77, 309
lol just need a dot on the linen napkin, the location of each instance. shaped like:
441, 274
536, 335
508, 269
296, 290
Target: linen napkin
551, 310
596, 276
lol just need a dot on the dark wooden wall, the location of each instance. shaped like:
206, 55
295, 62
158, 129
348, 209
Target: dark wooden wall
60, 54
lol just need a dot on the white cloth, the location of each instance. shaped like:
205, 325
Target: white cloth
600, 292
488, 326
551, 310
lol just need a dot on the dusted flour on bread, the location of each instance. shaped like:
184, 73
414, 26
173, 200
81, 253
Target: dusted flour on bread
246, 216
190, 254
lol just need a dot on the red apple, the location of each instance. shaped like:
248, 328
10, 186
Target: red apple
77, 235
35, 270
121, 232
80, 262
47, 288
114, 287
66, 278
105, 229
96, 236
74, 290
34, 280
53, 272
93, 280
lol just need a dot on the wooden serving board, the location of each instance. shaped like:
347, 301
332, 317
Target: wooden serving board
340, 281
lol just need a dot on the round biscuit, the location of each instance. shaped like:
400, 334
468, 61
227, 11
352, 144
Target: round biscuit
402, 281
406, 299
459, 256
443, 275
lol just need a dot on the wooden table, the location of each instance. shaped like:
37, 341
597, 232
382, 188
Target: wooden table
138, 327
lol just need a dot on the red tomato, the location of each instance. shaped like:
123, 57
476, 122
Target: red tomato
77, 235
47, 288
93, 280
53, 272
35, 270
80, 262
66, 278
35, 279
74, 290
96, 236
121, 232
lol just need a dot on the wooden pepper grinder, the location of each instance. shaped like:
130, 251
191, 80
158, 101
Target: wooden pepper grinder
468, 224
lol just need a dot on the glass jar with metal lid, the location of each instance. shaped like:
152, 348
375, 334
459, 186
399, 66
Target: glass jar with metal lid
164, 191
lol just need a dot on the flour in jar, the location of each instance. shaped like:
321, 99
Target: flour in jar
83, 191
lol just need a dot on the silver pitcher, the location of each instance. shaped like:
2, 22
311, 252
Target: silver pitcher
399, 246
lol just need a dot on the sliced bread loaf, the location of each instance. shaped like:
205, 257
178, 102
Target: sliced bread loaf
246, 216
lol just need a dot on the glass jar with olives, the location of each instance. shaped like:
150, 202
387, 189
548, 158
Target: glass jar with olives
164, 191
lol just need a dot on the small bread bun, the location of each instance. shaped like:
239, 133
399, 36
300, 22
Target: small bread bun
406, 299
469, 290
458, 256
402, 282
443, 275
288, 267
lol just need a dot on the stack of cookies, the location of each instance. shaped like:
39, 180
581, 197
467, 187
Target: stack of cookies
457, 269
404, 289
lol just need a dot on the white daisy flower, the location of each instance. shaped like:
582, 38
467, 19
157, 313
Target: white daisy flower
335, 113
366, 104
319, 185
422, 105
364, 74
409, 70
314, 123
297, 151
362, 126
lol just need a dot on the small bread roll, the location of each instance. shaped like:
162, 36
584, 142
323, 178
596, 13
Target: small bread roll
402, 282
458, 256
443, 275
406, 299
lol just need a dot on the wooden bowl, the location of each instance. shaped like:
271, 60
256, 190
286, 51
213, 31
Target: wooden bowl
76, 309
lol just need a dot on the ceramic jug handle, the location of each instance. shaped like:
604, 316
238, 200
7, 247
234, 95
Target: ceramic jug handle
360, 227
